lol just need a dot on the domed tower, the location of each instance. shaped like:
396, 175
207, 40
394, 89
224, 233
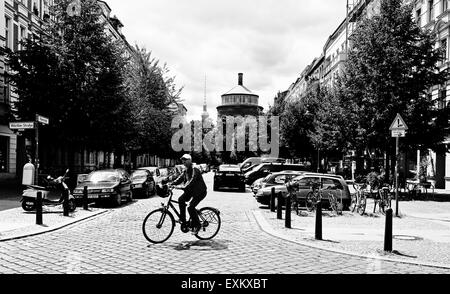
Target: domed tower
239, 101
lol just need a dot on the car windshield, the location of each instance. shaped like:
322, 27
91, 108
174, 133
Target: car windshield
229, 168
103, 176
139, 174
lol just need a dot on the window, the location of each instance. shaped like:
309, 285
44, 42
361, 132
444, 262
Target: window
419, 17
4, 142
22, 37
8, 33
444, 46
444, 5
442, 98
430, 10
331, 184
280, 180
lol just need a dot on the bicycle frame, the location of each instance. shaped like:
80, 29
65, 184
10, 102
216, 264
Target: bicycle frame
170, 205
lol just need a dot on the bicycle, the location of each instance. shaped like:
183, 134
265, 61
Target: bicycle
383, 199
159, 224
316, 195
359, 199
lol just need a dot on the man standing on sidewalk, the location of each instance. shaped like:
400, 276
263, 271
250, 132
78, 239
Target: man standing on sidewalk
195, 190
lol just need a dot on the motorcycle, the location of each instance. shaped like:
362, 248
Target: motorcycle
52, 195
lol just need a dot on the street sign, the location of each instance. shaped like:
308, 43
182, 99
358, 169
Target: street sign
43, 120
398, 133
22, 126
398, 124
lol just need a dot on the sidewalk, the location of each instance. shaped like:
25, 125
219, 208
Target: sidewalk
16, 223
421, 234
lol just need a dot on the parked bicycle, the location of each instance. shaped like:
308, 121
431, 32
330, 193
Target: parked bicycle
316, 195
159, 224
383, 198
359, 199
419, 191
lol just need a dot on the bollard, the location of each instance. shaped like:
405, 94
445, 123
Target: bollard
85, 198
66, 203
272, 200
319, 220
288, 213
388, 231
280, 206
39, 209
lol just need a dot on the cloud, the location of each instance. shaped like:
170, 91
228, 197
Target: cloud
270, 41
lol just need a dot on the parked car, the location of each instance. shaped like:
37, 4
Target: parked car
143, 183
159, 173
106, 185
264, 169
255, 161
205, 168
303, 183
229, 176
274, 179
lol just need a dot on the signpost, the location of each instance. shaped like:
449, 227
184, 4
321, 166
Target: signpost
34, 125
398, 129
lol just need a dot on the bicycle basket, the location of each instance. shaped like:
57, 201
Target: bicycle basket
162, 191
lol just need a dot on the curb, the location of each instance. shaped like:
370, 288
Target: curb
267, 228
55, 228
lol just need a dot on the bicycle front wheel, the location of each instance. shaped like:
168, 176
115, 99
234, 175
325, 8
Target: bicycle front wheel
158, 226
362, 204
210, 223
354, 202
310, 202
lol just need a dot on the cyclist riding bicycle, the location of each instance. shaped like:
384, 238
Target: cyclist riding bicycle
195, 190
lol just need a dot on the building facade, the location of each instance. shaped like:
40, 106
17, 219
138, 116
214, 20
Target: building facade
21, 19
431, 15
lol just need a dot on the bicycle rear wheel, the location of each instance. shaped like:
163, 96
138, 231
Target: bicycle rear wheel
310, 202
354, 202
158, 226
362, 204
210, 223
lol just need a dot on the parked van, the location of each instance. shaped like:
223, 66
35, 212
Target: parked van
254, 161
264, 169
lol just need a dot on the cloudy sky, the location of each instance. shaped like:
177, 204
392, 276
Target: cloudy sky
270, 41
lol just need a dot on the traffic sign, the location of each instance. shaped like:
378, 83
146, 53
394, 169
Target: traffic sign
398, 133
22, 126
398, 124
43, 120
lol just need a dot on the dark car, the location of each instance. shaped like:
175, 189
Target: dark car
229, 176
106, 185
274, 179
265, 169
143, 183
159, 173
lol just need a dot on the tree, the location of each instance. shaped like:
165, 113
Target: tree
73, 73
151, 92
391, 66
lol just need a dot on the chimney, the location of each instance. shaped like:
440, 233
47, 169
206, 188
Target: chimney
241, 79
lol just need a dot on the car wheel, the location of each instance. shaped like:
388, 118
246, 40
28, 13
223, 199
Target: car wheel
130, 197
72, 205
28, 205
152, 191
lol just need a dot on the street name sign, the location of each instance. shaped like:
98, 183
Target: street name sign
22, 126
398, 133
43, 120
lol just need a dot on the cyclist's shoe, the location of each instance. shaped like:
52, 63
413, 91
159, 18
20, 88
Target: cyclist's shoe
195, 230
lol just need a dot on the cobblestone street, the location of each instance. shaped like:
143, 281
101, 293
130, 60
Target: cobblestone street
113, 243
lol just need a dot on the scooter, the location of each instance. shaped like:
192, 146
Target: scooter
52, 195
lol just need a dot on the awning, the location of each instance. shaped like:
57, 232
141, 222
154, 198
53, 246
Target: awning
4, 130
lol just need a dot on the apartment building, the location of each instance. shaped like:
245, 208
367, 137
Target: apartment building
21, 19
432, 15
